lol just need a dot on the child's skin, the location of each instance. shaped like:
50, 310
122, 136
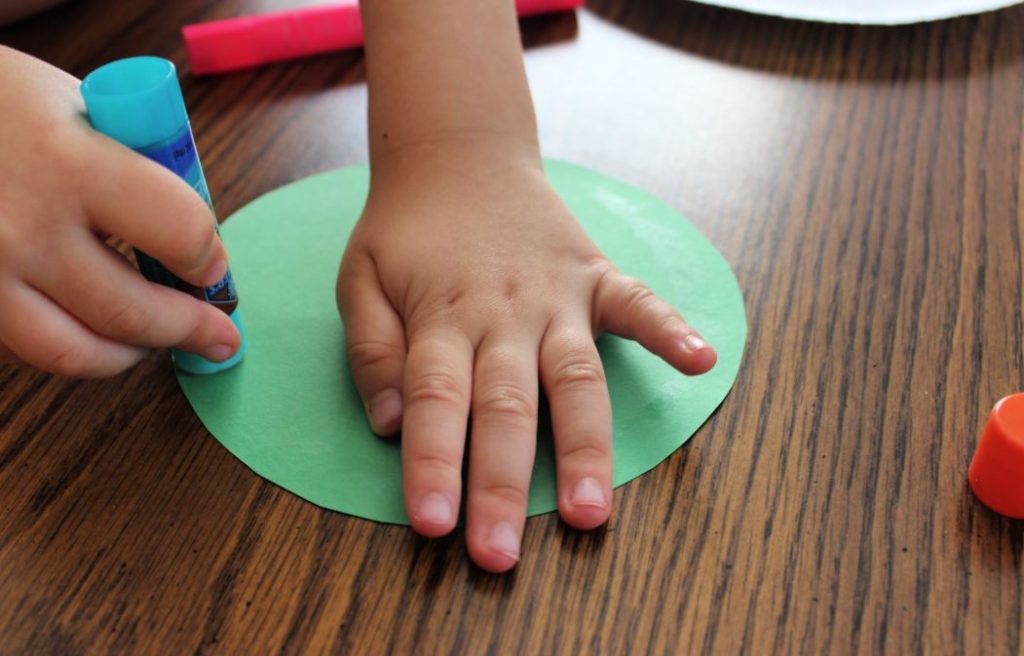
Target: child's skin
466, 285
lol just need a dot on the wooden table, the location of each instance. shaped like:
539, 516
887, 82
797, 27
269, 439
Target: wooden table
865, 184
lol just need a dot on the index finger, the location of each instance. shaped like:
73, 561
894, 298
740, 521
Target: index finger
154, 210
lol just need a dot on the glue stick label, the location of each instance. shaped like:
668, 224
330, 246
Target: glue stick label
179, 155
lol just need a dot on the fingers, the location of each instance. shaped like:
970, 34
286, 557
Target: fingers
41, 334
581, 417
105, 293
375, 338
628, 308
154, 210
438, 370
504, 439
7, 355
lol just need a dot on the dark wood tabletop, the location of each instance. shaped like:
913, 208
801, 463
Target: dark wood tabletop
865, 183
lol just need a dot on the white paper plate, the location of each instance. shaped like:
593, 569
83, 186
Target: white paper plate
868, 12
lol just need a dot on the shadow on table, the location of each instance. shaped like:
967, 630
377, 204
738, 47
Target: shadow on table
991, 535
938, 50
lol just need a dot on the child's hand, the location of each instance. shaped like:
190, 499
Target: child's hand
466, 281
70, 304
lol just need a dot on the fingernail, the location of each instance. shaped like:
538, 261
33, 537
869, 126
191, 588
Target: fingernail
694, 343
385, 410
218, 353
435, 509
588, 492
504, 539
215, 273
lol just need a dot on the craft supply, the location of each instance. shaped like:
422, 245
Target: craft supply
138, 102
997, 470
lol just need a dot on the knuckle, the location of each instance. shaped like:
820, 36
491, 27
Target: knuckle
194, 240
599, 262
577, 369
512, 495
127, 321
638, 294
437, 387
368, 354
585, 452
436, 463
670, 320
435, 307
510, 401
72, 361
643, 306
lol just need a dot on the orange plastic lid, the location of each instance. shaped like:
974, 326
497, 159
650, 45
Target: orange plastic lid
997, 471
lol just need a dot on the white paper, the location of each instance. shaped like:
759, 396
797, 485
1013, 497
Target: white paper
868, 12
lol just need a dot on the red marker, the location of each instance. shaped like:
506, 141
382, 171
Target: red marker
997, 470
235, 43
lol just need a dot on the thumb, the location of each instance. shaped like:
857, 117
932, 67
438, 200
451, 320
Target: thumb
375, 340
628, 308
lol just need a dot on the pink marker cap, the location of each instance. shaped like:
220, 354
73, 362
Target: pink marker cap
531, 7
254, 40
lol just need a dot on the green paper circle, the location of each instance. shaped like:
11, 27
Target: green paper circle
290, 411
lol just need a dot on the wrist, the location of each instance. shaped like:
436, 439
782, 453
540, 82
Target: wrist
470, 152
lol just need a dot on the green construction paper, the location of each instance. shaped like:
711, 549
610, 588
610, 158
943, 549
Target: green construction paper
290, 411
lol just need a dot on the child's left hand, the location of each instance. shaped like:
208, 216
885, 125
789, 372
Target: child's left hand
466, 281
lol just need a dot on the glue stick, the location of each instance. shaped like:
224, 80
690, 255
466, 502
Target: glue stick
138, 102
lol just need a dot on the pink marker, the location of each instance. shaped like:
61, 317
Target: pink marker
235, 43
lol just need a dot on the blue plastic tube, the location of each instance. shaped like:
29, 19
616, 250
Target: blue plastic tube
138, 102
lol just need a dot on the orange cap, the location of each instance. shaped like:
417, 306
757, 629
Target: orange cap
997, 471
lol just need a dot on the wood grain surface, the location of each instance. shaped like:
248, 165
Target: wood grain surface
865, 184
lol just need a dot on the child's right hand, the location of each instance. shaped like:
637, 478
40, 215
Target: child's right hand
70, 304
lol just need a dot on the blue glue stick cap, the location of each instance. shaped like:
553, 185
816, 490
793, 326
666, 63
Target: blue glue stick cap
136, 101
